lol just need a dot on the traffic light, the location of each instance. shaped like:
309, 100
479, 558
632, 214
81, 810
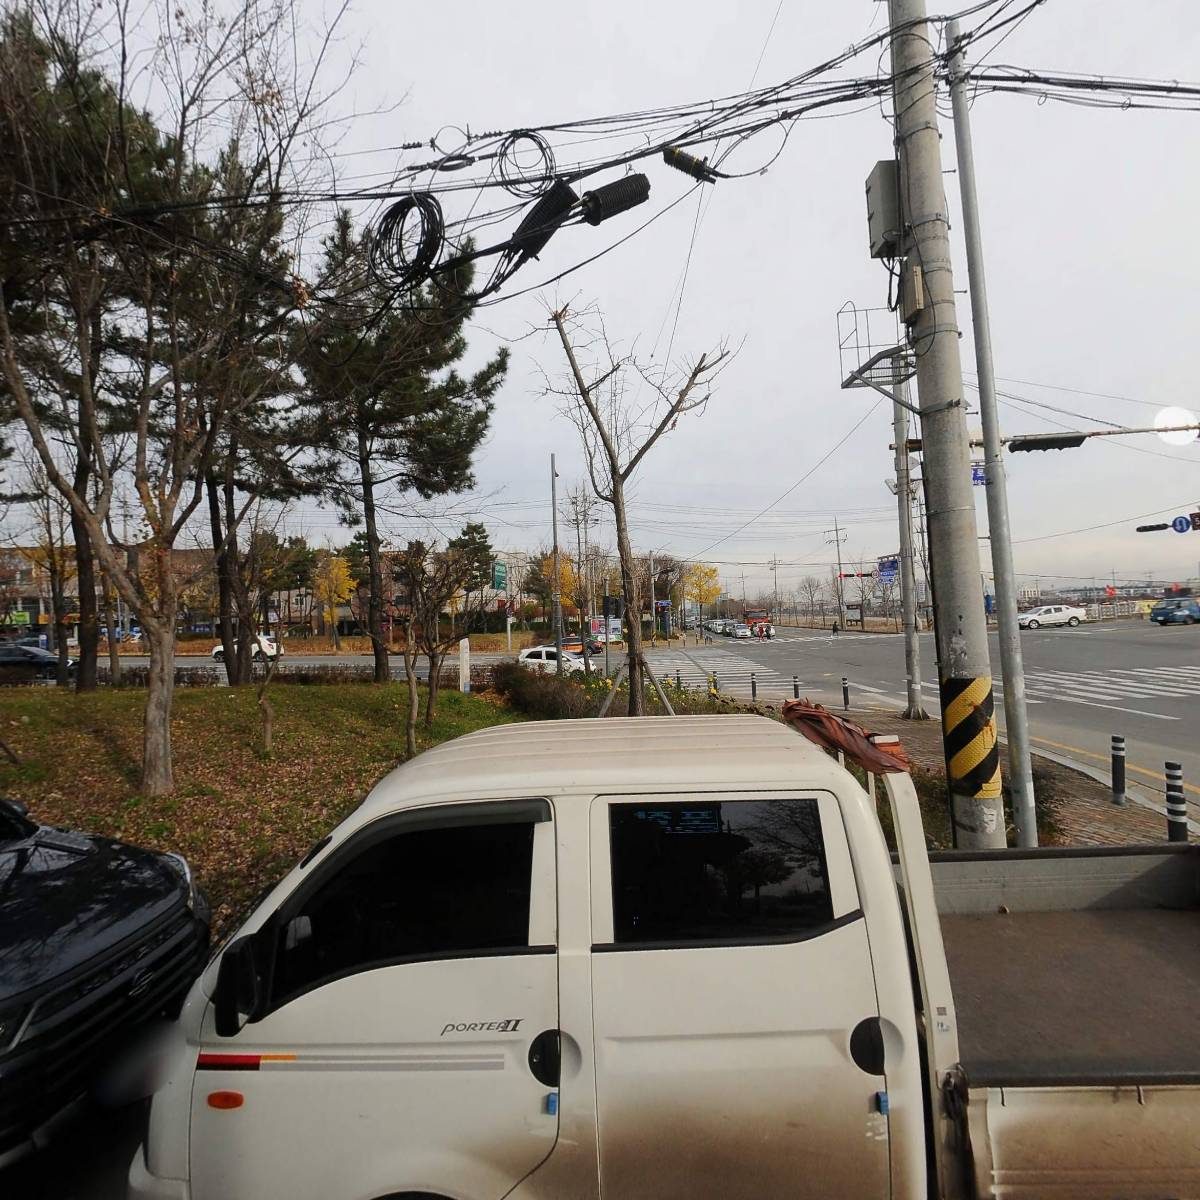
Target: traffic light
1046, 441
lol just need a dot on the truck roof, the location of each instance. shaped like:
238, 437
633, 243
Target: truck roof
542, 758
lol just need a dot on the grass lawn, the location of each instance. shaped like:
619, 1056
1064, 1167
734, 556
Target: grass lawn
241, 819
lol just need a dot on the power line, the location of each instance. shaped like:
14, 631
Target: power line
807, 475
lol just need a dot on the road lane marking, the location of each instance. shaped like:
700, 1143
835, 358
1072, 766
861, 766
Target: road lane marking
1157, 776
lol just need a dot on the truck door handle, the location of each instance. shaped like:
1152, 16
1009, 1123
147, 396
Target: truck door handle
866, 1046
545, 1056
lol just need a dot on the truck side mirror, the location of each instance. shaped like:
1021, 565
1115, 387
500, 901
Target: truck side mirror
299, 929
239, 994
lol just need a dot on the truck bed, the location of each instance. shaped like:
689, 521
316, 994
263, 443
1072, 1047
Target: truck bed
1101, 996
1073, 967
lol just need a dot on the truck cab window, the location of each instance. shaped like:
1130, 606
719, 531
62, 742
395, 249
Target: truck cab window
421, 894
697, 873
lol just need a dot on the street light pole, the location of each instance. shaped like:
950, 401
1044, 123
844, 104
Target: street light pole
1020, 768
556, 593
964, 673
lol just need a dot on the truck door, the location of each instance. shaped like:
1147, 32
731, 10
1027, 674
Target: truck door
733, 992
409, 1042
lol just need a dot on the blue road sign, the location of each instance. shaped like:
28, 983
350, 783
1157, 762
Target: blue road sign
1182, 525
888, 570
978, 474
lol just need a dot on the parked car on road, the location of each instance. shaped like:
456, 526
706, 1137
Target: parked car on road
20, 664
740, 631
265, 649
1051, 614
545, 658
570, 958
1182, 611
96, 937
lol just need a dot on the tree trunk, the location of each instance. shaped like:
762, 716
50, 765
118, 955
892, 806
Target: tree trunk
157, 775
375, 566
85, 567
85, 575
224, 585
246, 622
267, 709
633, 615
436, 659
58, 610
110, 626
410, 674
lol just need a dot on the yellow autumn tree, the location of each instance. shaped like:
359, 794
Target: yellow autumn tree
701, 583
332, 586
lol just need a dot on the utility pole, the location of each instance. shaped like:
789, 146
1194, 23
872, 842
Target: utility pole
841, 595
1016, 718
964, 673
581, 513
915, 711
556, 593
775, 572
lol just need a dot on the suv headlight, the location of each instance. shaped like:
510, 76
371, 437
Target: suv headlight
184, 868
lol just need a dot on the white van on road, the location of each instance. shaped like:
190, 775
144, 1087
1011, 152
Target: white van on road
667, 957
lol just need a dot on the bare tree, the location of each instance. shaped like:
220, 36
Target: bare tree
812, 589
618, 431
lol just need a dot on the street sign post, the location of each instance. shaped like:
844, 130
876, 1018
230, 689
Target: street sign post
499, 575
979, 474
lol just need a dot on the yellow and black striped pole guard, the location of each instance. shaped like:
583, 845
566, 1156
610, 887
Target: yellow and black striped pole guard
969, 733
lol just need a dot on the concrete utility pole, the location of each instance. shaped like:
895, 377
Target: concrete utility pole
839, 591
556, 592
915, 710
1016, 719
964, 673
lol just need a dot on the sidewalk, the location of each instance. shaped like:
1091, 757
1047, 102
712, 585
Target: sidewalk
1085, 812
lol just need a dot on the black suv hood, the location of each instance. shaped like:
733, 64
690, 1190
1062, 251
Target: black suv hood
66, 897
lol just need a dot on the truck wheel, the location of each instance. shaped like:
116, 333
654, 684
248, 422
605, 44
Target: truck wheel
1073, 622
1033, 625
219, 656
259, 656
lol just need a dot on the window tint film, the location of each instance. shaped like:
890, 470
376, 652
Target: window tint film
427, 893
709, 872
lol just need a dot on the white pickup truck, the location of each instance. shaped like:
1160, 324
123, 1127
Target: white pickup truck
674, 958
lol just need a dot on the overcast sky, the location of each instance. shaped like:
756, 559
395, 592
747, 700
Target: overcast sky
1089, 234
1089, 228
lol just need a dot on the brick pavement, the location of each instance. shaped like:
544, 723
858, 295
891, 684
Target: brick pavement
1086, 815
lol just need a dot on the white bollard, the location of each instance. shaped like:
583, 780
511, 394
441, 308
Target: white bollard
464, 665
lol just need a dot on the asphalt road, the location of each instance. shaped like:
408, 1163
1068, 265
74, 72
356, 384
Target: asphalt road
1083, 685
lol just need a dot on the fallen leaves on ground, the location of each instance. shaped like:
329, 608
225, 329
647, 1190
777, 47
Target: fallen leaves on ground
240, 818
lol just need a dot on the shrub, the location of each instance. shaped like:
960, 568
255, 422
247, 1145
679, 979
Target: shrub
542, 694
136, 677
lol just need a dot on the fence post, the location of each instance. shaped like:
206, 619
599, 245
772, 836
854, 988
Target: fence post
845, 693
1177, 827
795, 687
1118, 768
753, 687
